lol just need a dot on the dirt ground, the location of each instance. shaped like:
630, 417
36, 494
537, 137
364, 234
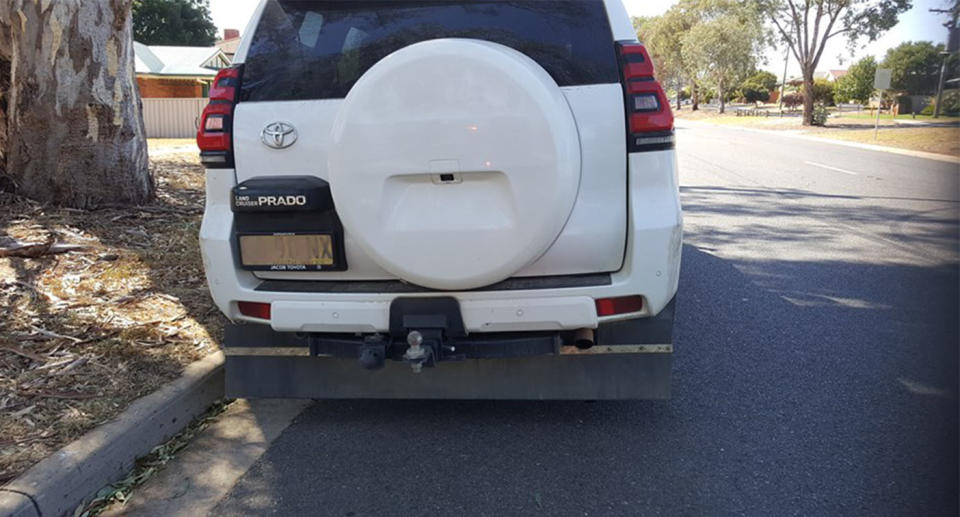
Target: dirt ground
86, 332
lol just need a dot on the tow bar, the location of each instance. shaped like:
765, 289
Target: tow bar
426, 324
427, 331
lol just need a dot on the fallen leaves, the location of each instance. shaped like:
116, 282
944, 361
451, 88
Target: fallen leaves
100, 308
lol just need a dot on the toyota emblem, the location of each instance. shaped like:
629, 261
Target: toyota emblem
279, 135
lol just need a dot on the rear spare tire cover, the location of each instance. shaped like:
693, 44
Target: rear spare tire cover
455, 163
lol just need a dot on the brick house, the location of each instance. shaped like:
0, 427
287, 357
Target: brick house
177, 72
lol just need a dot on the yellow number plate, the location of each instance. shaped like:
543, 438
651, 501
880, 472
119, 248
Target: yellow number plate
265, 251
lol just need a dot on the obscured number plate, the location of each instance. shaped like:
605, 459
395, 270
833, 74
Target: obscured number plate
287, 252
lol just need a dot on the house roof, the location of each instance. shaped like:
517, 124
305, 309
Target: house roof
229, 46
181, 61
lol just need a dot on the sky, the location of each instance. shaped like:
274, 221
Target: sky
916, 24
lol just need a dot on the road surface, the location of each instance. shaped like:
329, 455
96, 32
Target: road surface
815, 370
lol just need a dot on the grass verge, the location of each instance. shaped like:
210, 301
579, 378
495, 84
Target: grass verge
940, 140
87, 332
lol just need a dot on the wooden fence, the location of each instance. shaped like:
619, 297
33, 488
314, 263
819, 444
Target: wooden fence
172, 118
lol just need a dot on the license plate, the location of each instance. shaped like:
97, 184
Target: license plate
287, 252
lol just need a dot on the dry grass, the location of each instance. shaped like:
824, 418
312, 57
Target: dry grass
87, 332
893, 133
941, 140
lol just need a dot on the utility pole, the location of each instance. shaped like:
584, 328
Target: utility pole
951, 42
943, 79
783, 85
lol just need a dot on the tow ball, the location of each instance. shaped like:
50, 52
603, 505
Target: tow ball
425, 349
429, 325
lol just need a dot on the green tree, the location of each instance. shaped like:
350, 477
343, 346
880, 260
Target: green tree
807, 26
822, 91
758, 86
722, 50
173, 22
857, 85
915, 66
662, 35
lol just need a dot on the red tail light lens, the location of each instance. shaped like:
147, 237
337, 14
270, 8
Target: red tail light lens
649, 117
214, 132
622, 305
254, 309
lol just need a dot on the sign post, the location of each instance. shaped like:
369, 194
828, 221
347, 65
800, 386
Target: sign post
881, 82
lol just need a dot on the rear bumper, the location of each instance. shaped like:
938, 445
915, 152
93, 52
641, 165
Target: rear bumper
631, 360
651, 269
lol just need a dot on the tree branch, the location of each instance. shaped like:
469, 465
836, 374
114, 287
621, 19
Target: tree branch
816, 24
823, 44
801, 43
787, 38
840, 31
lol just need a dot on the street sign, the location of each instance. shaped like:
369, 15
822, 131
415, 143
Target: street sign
882, 80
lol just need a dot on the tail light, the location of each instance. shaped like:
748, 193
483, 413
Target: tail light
649, 119
214, 134
254, 309
617, 306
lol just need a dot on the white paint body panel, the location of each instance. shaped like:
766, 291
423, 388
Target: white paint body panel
620, 22
478, 315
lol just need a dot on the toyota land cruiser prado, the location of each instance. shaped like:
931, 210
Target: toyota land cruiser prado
442, 199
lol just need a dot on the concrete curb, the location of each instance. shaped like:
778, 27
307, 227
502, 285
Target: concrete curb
790, 134
59, 483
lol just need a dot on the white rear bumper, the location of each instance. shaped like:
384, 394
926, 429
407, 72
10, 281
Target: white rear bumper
651, 269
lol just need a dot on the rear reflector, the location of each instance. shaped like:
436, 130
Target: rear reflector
622, 305
254, 309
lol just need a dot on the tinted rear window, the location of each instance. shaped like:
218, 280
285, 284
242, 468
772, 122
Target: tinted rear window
319, 49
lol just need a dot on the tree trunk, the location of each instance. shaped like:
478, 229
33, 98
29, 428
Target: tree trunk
679, 94
695, 93
723, 98
71, 128
807, 96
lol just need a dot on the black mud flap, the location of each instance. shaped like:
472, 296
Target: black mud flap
631, 360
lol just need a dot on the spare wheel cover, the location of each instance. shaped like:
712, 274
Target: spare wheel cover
486, 115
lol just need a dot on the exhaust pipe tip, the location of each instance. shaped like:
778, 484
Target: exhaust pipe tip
584, 339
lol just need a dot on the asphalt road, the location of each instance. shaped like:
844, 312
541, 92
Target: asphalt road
816, 370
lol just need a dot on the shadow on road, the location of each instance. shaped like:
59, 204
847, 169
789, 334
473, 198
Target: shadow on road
759, 223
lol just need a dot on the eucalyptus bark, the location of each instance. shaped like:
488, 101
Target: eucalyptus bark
808, 84
71, 125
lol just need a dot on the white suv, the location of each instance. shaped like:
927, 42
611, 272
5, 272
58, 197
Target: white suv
484, 188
